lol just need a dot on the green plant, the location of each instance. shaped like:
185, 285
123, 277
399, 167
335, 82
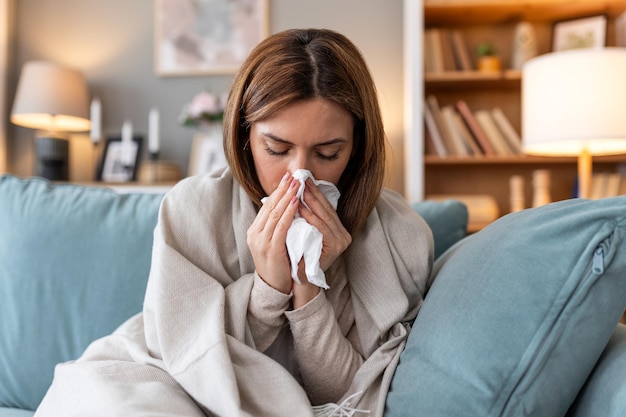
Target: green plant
485, 49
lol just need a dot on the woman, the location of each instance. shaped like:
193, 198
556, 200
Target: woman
225, 329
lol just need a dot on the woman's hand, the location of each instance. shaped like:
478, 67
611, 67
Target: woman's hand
324, 217
335, 241
268, 233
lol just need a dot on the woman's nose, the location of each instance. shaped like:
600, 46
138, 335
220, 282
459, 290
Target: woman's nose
299, 162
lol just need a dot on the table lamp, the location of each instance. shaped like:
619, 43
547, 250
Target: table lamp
53, 99
574, 104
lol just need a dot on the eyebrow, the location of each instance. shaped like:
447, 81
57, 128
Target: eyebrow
286, 142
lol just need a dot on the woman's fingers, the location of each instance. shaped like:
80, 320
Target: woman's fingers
324, 217
268, 233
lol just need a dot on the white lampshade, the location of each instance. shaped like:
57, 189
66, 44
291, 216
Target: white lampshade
575, 100
51, 97
574, 104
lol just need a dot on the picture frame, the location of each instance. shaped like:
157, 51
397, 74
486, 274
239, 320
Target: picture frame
113, 167
580, 33
207, 154
209, 37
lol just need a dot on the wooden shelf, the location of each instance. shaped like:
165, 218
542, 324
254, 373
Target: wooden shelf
472, 76
492, 21
468, 12
129, 187
516, 160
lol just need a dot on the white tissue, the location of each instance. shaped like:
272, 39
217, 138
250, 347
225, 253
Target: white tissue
303, 239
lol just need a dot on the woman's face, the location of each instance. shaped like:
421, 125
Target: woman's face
314, 134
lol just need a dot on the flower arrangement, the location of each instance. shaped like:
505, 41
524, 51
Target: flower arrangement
205, 108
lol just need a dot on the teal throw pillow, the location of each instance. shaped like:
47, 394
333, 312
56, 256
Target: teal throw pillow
447, 220
604, 393
74, 264
518, 315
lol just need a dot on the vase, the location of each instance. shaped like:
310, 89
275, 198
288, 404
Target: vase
524, 45
207, 150
489, 63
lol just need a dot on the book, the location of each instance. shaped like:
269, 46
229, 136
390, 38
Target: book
449, 62
497, 141
428, 53
460, 51
474, 127
508, 131
436, 48
598, 185
622, 186
613, 184
434, 133
429, 148
433, 103
448, 115
468, 138
620, 30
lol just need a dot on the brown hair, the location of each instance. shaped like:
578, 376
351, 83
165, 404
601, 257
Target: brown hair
297, 65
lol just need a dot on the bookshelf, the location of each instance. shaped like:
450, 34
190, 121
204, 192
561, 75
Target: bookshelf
479, 21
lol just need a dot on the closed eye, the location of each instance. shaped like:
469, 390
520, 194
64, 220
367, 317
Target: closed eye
328, 157
272, 152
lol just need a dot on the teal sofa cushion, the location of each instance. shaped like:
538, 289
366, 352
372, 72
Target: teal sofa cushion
74, 264
447, 220
518, 315
604, 393
15, 412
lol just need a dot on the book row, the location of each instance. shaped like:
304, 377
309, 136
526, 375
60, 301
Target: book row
457, 130
445, 50
607, 184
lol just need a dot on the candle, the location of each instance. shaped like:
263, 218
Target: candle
153, 132
127, 138
96, 120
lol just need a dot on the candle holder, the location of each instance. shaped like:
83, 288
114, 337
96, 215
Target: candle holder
95, 156
155, 171
154, 166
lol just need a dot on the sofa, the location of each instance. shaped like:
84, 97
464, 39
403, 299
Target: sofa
74, 263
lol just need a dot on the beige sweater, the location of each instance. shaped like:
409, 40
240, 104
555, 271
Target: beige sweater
197, 348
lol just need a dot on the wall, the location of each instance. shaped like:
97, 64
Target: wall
112, 43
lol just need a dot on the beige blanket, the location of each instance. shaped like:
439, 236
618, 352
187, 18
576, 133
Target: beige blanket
191, 353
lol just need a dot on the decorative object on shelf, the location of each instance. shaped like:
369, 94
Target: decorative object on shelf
120, 158
524, 44
573, 105
53, 99
488, 60
541, 187
95, 115
516, 190
205, 112
204, 109
588, 32
207, 151
158, 172
153, 134
207, 37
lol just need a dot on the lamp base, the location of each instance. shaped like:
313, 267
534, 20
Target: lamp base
52, 158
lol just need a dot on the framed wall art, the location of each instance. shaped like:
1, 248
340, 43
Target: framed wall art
119, 163
587, 32
206, 37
